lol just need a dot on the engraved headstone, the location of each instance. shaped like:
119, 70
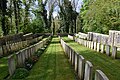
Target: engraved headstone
111, 37
117, 39
98, 47
108, 50
102, 48
81, 64
76, 61
99, 75
88, 71
11, 65
114, 52
90, 36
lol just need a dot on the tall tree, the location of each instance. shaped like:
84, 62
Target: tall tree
99, 17
3, 7
68, 15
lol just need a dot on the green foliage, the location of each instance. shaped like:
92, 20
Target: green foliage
20, 73
17, 15
37, 26
68, 17
100, 15
3, 68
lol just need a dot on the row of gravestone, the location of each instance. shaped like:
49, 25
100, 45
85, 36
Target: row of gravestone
16, 38
12, 47
71, 37
101, 40
24, 54
8, 38
84, 69
113, 39
94, 45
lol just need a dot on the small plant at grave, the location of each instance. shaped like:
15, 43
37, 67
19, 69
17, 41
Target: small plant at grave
42, 49
38, 53
20, 73
30, 62
45, 46
34, 59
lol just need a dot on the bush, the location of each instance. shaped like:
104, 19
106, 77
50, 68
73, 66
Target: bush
20, 73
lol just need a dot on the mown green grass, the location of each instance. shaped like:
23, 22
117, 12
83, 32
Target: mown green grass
111, 67
52, 65
3, 68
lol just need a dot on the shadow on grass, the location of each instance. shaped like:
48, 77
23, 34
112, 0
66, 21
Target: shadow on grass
118, 55
68, 41
54, 42
3, 68
110, 66
52, 66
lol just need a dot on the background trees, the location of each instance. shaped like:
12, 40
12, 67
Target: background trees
37, 15
68, 16
24, 16
100, 15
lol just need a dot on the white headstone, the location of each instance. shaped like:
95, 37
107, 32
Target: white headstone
108, 50
11, 65
98, 47
95, 46
102, 48
99, 75
76, 61
81, 67
88, 71
114, 52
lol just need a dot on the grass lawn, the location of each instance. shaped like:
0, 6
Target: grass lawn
3, 68
52, 65
111, 67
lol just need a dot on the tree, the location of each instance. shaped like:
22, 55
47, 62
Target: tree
3, 9
99, 17
68, 16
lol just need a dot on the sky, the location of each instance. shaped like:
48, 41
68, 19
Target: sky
56, 9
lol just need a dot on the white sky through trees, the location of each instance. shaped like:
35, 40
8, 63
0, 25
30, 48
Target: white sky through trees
78, 4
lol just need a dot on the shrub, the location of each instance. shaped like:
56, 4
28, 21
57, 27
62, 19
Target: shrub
20, 73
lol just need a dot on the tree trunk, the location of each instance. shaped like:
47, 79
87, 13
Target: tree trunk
3, 11
15, 13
